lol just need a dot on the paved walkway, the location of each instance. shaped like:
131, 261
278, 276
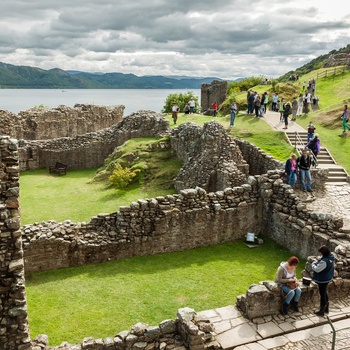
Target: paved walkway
300, 330
335, 199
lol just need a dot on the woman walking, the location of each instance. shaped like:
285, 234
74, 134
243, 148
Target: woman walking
286, 279
323, 274
286, 112
345, 119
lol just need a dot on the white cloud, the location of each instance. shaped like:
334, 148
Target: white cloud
198, 38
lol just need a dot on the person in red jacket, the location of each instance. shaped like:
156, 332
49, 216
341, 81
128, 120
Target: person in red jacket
215, 108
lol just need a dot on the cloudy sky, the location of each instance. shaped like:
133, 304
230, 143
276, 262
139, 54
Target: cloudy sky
221, 38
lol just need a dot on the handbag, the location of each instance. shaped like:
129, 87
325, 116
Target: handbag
292, 285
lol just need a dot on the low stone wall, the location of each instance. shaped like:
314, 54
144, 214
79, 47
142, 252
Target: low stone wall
193, 218
63, 121
90, 150
14, 333
186, 332
211, 158
265, 299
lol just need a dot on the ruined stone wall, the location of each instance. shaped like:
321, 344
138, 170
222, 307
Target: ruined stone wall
216, 91
188, 331
14, 333
259, 161
63, 121
211, 158
287, 221
193, 218
90, 150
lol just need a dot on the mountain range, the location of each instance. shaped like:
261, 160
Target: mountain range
26, 77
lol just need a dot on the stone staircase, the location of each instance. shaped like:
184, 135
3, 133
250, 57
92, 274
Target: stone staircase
337, 174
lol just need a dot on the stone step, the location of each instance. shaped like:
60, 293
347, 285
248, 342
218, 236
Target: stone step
337, 179
325, 161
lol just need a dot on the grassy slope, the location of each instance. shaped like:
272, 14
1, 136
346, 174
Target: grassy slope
76, 197
333, 92
103, 299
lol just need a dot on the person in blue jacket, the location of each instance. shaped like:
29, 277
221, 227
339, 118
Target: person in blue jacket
323, 272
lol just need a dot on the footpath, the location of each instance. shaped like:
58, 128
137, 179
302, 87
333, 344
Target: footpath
301, 330
336, 197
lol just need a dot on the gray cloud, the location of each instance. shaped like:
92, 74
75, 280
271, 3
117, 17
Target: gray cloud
210, 37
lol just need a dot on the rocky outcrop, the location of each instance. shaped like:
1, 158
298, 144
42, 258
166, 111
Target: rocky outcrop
212, 160
63, 121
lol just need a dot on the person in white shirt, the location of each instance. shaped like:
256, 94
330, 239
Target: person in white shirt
192, 105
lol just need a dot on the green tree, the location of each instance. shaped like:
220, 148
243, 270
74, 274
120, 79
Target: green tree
181, 99
122, 177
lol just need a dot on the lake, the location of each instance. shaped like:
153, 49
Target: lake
16, 100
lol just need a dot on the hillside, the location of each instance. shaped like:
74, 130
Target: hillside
314, 64
25, 77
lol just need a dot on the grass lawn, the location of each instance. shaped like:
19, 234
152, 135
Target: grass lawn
103, 299
256, 131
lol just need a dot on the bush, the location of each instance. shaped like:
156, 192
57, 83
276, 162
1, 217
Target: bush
122, 177
181, 99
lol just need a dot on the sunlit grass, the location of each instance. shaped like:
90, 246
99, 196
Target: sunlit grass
103, 299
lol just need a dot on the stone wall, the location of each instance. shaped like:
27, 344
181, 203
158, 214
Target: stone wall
14, 333
211, 158
193, 218
261, 162
187, 331
63, 121
287, 221
216, 91
90, 150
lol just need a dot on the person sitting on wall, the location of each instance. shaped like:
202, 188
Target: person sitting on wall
286, 279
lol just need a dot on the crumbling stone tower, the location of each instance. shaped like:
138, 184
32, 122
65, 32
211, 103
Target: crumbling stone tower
216, 91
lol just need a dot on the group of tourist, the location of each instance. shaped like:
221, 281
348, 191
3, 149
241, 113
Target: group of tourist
188, 109
257, 104
323, 273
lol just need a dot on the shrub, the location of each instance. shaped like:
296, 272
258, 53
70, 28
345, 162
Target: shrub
122, 177
181, 99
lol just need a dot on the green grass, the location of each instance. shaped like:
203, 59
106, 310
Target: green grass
256, 131
77, 197
103, 299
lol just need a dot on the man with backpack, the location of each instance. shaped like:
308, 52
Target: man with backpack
304, 163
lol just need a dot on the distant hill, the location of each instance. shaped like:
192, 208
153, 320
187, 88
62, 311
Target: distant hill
314, 64
25, 77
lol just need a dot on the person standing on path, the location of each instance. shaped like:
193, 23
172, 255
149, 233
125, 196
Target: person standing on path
314, 145
287, 111
323, 269
291, 170
215, 108
281, 108
300, 105
345, 119
310, 131
274, 102
257, 105
304, 163
294, 108
266, 101
251, 99
233, 112
286, 279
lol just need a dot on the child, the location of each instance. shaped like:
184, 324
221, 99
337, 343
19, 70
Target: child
310, 131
